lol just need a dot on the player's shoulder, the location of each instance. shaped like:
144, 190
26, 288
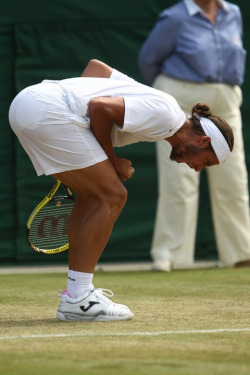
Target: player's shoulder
161, 100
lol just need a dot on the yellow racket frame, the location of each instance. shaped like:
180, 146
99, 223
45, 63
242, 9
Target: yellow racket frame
34, 213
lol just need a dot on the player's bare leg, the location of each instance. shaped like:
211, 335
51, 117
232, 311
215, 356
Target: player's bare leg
100, 199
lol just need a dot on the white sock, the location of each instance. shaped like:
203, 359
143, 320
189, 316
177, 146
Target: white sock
79, 283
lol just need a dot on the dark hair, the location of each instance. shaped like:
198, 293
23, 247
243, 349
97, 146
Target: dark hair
203, 110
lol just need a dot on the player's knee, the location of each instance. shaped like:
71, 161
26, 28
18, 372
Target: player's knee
115, 200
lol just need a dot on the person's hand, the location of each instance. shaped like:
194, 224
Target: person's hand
124, 168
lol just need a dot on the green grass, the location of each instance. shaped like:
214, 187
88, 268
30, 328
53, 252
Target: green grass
163, 304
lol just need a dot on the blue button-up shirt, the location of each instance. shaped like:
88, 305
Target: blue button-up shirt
185, 45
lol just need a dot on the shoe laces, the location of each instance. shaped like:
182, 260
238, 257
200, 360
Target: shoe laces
104, 294
99, 292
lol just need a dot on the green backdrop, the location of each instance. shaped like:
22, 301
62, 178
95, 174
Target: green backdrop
54, 39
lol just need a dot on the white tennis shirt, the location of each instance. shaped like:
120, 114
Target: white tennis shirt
150, 115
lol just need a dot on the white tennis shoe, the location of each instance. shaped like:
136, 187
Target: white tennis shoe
162, 265
92, 306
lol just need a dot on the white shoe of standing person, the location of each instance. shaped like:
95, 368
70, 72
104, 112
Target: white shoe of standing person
162, 265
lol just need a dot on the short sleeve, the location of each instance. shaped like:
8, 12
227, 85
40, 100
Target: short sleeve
151, 118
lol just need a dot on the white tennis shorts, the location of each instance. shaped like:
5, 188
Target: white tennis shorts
55, 138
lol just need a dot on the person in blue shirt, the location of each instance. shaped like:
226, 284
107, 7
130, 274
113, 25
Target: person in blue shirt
195, 50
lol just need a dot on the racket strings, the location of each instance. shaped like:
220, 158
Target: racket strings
49, 228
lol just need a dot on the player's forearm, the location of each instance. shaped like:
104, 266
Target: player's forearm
101, 122
101, 127
103, 135
104, 112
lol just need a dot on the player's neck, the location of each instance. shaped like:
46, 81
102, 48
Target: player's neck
181, 136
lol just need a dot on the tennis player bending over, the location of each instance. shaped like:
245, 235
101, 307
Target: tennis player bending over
69, 129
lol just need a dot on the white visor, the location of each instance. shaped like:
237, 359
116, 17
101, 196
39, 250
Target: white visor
218, 142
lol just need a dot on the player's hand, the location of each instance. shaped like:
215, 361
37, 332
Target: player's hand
124, 168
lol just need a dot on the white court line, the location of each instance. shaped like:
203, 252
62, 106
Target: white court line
158, 333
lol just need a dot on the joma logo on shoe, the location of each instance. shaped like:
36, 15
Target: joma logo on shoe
83, 308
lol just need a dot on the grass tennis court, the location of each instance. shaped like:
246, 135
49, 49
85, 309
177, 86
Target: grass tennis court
186, 322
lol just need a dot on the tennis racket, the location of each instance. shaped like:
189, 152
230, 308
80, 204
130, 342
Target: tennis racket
47, 226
